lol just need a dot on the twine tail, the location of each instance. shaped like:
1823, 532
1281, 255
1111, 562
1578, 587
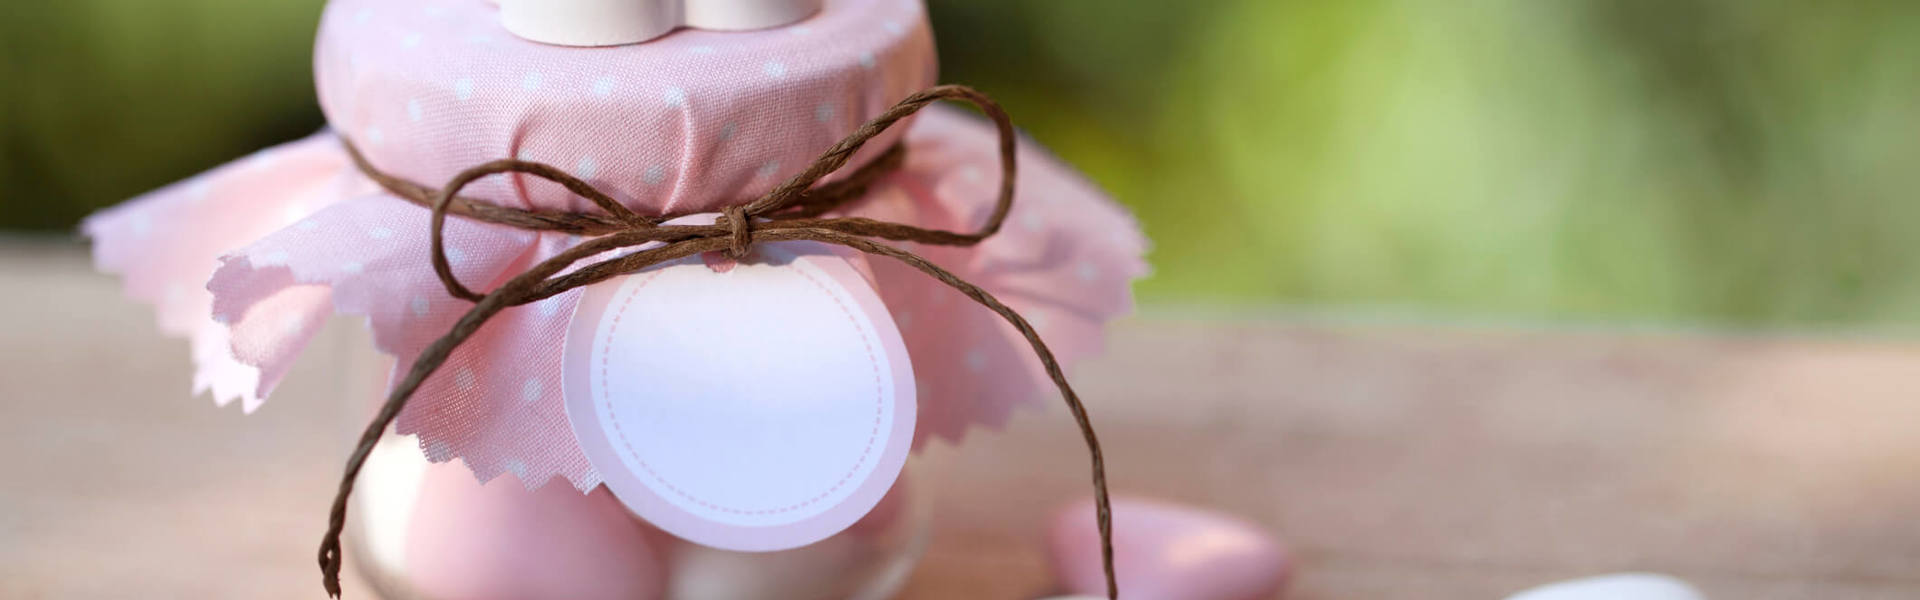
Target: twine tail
1103, 505
428, 361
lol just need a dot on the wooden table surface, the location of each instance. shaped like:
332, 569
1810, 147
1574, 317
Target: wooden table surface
1398, 461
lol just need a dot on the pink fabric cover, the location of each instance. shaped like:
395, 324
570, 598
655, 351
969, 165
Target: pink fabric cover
249, 259
686, 123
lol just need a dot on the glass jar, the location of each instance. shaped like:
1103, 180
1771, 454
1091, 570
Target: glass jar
423, 531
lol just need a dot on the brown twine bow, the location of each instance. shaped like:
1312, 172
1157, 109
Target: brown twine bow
791, 212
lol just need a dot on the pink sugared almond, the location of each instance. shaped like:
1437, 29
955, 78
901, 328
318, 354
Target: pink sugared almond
500, 541
1166, 551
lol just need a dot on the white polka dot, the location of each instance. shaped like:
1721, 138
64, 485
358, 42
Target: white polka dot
293, 213
436, 11
971, 174
892, 27
549, 307
307, 225
439, 451
823, 113
603, 87
480, 39
263, 160
586, 168
1087, 272
455, 256
290, 324
273, 257
411, 41
802, 30
976, 360
1031, 222
654, 175
517, 467
463, 89
1038, 320
414, 111
867, 60
770, 169
419, 306
465, 379
142, 224
727, 131
774, 70
352, 267
531, 390
363, 15
674, 97
532, 81
199, 191
380, 233
376, 136
700, 50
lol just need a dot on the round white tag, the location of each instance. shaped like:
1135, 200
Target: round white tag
755, 406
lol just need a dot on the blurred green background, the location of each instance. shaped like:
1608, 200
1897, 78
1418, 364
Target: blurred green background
1711, 162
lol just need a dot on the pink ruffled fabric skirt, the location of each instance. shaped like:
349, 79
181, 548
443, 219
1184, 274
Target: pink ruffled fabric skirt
248, 260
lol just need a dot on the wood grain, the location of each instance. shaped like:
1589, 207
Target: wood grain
1398, 461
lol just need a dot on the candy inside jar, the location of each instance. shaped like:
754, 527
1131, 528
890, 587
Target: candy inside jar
422, 531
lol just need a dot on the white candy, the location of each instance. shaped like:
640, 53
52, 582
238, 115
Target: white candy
615, 22
384, 496
1624, 586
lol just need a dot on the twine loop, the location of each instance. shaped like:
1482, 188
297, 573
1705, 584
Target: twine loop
792, 211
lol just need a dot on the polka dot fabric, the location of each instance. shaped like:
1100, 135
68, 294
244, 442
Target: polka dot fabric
1065, 260
249, 259
167, 242
686, 123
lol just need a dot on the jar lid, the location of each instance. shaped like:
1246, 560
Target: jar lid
688, 122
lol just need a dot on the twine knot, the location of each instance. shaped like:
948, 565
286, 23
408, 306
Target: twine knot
792, 211
741, 228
